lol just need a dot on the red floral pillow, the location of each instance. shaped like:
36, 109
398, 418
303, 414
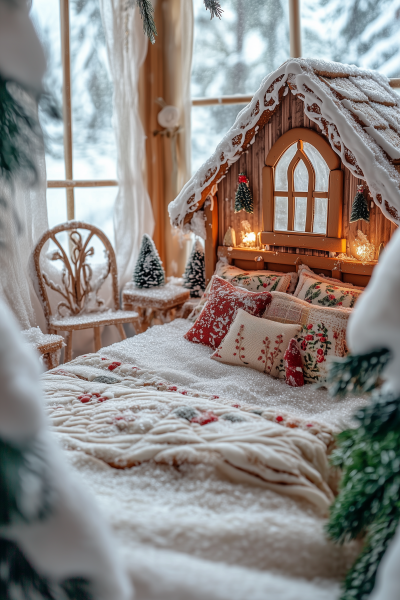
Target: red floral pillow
220, 311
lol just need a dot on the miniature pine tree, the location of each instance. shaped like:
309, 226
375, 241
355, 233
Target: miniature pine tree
194, 277
359, 209
148, 271
243, 197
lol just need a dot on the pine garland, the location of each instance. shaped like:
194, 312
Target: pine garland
357, 374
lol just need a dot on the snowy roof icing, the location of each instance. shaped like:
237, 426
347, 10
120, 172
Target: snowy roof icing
355, 108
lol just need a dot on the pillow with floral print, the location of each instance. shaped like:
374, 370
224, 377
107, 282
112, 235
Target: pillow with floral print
223, 303
256, 281
256, 343
321, 291
322, 335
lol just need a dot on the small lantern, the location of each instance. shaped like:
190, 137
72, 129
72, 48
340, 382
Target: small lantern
249, 238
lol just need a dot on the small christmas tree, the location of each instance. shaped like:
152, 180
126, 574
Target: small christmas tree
359, 209
148, 271
243, 197
194, 277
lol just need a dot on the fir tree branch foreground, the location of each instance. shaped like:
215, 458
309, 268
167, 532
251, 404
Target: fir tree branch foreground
147, 13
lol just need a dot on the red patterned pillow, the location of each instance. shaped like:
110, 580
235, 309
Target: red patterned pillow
220, 311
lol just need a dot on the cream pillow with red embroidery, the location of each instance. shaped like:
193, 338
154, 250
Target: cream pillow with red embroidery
322, 291
256, 343
255, 281
323, 331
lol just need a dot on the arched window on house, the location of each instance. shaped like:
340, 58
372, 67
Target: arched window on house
302, 193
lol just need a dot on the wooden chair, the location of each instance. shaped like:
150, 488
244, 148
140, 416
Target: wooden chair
80, 307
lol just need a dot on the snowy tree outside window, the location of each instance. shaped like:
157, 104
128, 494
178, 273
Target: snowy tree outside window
233, 55
94, 148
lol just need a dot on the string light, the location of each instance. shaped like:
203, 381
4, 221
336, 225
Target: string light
363, 249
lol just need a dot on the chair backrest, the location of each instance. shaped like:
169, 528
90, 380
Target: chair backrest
76, 288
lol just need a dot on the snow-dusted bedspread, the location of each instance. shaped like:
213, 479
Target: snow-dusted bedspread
206, 511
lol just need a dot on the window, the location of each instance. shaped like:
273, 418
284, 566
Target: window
301, 190
81, 150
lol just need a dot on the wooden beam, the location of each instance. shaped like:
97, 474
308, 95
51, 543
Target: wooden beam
315, 262
211, 243
303, 240
67, 104
295, 28
82, 183
243, 99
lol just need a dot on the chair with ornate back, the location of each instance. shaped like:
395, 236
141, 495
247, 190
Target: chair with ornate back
80, 307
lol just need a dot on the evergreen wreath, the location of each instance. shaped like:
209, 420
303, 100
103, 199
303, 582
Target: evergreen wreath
359, 209
148, 271
194, 276
243, 197
368, 503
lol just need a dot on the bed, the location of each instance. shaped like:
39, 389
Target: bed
213, 477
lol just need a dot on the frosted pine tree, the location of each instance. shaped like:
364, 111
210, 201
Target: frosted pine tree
243, 197
359, 209
194, 276
148, 271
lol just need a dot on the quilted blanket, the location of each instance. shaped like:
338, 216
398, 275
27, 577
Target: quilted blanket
126, 416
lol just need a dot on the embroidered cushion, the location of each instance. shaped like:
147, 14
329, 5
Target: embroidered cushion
323, 331
256, 343
255, 281
223, 303
323, 291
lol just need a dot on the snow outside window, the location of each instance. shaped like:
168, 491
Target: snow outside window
301, 180
232, 56
94, 148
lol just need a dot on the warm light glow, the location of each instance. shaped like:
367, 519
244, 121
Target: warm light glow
249, 238
363, 249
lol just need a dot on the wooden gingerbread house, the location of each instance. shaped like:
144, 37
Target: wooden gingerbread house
313, 132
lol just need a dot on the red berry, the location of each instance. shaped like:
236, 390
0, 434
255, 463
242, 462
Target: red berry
85, 399
205, 418
279, 418
101, 399
96, 395
236, 405
113, 366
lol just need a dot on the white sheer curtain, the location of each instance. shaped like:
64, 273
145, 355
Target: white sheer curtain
127, 48
23, 219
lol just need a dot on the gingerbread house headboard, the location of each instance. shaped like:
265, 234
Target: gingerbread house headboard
313, 133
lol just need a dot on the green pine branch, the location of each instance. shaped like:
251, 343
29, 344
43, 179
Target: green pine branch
146, 12
18, 131
214, 7
369, 500
19, 464
357, 374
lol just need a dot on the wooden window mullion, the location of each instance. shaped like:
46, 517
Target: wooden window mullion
67, 104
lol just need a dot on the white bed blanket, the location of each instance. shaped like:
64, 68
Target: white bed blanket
164, 349
192, 531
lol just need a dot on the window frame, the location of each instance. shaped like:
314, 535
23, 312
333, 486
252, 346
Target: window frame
332, 240
69, 183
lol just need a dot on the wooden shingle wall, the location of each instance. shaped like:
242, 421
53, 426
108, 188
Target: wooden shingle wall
289, 115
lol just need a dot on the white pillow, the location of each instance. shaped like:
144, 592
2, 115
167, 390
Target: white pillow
256, 343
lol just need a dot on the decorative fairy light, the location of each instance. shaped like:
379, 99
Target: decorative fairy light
363, 249
249, 238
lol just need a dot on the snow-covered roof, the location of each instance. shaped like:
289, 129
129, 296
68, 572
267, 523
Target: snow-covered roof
355, 108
